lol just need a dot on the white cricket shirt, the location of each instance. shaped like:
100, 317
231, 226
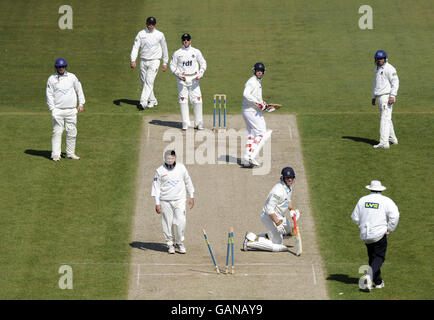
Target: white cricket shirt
386, 81
152, 46
188, 61
171, 184
278, 200
252, 95
62, 91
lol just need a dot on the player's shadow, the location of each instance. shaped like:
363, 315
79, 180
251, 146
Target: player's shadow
171, 124
155, 246
127, 101
41, 153
343, 278
229, 159
364, 140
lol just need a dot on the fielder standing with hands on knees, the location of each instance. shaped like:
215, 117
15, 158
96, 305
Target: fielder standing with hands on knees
376, 216
273, 216
189, 65
169, 192
252, 108
386, 84
63, 87
152, 45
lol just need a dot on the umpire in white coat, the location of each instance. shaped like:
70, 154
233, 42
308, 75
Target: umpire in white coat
386, 85
169, 192
62, 90
376, 216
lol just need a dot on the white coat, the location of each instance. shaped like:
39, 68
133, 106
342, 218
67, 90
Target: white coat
375, 214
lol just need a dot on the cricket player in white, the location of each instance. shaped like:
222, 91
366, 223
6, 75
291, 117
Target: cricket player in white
386, 84
62, 90
376, 216
169, 192
152, 45
189, 65
273, 216
252, 108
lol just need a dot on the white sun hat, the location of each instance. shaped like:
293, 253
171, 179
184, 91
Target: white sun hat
376, 186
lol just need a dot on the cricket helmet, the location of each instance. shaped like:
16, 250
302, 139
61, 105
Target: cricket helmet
60, 63
151, 20
185, 36
287, 172
380, 54
259, 66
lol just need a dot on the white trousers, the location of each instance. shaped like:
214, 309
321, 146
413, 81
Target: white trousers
148, 72
274, 241
387, 132
257, 133
64, 119
190, 90
173, 220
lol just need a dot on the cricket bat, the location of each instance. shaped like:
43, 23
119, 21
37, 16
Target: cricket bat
275, 105
298, 246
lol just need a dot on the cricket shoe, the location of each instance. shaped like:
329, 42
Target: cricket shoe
379, 286
171, 249
151, 104
245, 244
393, 141
199, 127
381, 146
181, 248
253, 162
56, 158
73, 156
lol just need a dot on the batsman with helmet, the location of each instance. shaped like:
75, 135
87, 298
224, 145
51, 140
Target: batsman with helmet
63, 87
273, 216
252, 108
386, 84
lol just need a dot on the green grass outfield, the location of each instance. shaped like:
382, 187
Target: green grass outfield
319, 65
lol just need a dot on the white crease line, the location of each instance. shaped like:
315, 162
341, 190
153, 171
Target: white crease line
207, 273
314, 276
179, 264
138, 276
